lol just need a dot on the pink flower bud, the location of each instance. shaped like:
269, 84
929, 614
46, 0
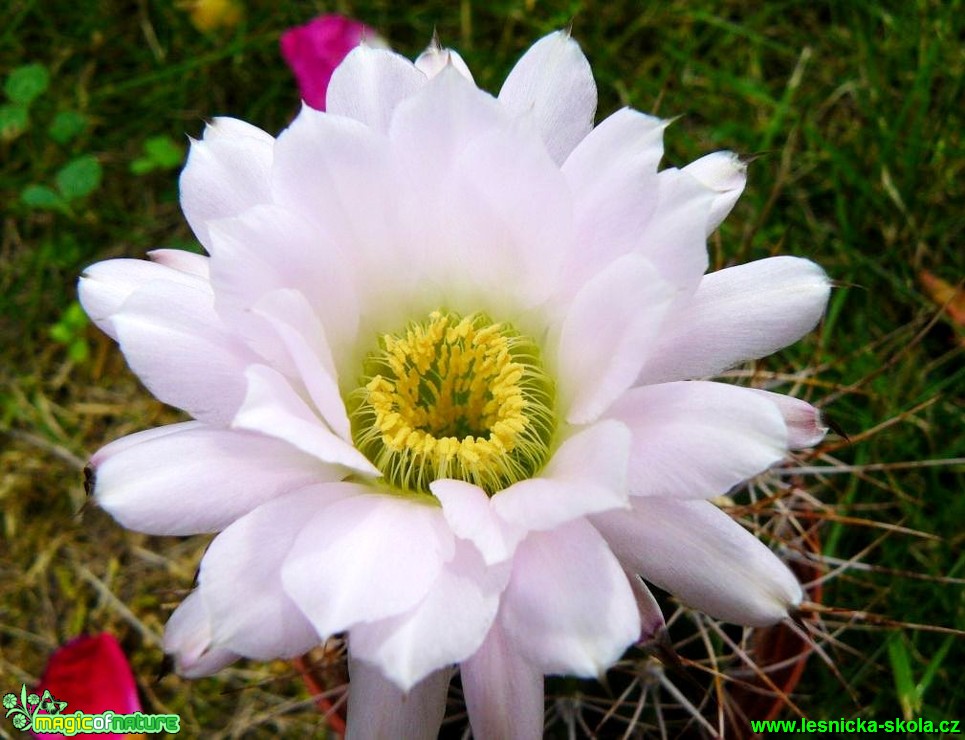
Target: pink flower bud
314, 50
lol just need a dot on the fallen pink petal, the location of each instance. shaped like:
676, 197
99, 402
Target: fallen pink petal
92, 674
314, 50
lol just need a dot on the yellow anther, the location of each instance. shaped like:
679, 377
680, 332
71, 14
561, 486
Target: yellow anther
455, 397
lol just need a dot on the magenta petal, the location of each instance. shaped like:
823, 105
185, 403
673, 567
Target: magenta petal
314, 50
92, 675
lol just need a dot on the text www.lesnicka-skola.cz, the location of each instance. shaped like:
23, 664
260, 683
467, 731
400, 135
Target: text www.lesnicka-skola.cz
947, 726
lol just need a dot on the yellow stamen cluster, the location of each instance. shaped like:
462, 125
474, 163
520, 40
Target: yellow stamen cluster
454, 397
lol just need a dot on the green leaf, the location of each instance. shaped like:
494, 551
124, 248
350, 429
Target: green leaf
931, 669
26, 83
142, 165
40, 196
164, 150
75, 316
13, 121
67, 125
160, 152
78, 351
904, 680
79, 177
61, 333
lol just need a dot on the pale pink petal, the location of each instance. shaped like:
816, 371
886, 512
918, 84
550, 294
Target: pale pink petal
553, 85
447, 626
272, 407
270, 248
470, 514
222, 128
181, 350
304, 338
675, 237
739, 314
504, 691
613, 176
433, 126
104, 286
131, 440
366, 558
377, 708
568, 606
506, 219
586, 475
651, 617
187, 636
196, 478
608, 334
329, 170
726, 174
703, 557
240, 576
805, 423
227, 172
695, 439
435, 59
370, 83
182, 260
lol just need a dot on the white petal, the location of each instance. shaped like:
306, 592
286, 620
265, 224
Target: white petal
726, 174
366, 558
435, 59
370, 83
613, 176
104, 286
586, 475
608, 334
675, 237
695, 439
446, 627
568, 606
181, 350
131, 440
195, 479
222, 128
182, 260
188, 636
304, 338
553, 84
339, 175
377, 708
273, 408
470, 514
504, 691
433, 126
240, 577
698, 553
507, 218
269, 248
651, 618
805, 424
741, 313
227, 172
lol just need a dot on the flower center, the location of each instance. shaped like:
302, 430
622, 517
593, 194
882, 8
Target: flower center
454, 397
